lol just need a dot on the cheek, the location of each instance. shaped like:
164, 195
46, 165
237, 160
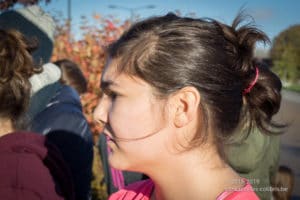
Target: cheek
134, 119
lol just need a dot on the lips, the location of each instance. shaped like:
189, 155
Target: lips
111, 140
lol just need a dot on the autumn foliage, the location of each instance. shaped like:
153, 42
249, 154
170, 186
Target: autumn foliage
89, 53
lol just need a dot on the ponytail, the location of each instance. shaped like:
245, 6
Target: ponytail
262, 102
261, 87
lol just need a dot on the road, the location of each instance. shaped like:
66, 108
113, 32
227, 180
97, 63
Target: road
290, 141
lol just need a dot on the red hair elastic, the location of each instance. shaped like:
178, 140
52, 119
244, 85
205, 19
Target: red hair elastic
248, 89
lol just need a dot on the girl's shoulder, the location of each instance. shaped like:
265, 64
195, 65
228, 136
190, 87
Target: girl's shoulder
246, 192
140, 190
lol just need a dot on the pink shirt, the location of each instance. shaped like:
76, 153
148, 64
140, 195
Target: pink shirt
142, 190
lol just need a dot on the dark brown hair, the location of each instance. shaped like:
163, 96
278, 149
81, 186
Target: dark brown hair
72, 75
16, 67
172, 52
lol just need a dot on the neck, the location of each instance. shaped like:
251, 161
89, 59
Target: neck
6, 127
201, 174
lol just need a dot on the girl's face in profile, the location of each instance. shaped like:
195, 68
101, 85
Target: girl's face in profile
130, 113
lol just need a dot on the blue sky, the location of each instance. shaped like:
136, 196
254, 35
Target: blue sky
272, 16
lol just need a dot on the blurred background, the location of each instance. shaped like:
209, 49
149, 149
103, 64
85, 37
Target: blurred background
84, 28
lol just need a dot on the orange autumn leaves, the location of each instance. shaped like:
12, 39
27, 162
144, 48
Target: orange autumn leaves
89, 53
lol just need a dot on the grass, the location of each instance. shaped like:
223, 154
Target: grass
293, 87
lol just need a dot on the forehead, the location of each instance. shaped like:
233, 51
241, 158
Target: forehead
110, 70
112, 75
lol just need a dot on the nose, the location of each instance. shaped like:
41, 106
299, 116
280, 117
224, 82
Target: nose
100, 113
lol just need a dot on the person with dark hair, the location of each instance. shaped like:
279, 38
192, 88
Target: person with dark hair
72, 75
55, 109
31, 167
175, 89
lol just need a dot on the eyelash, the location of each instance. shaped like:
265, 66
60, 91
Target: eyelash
110, 94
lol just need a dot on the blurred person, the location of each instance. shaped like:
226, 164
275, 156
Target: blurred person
175, 89
72, 75
35, 24
47, 78
31, 167
255, 157
284, 184
55, 109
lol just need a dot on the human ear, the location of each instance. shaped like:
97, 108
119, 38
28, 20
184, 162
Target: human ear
186, 104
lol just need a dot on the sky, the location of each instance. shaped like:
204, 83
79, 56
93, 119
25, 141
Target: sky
271, 16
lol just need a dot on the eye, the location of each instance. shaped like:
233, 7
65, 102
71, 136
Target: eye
111, 94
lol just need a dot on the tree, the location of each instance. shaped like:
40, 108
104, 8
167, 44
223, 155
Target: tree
285, 54
88, 52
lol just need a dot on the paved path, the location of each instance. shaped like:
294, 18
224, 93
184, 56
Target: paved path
290, 141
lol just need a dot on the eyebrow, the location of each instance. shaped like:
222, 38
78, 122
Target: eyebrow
106, 84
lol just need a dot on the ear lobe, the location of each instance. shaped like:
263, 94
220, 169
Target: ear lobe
187, 105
